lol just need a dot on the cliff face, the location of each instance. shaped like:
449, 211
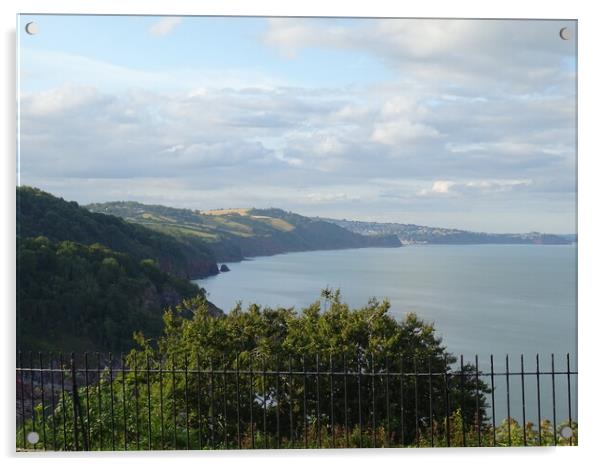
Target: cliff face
202, 268
385, 241
191, 268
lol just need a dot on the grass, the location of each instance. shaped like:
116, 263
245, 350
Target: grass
226, 212
277, 223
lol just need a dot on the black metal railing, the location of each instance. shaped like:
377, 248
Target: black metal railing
145, 402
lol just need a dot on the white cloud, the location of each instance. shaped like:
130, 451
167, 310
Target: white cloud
453, 125
442, 187
164, 26
472, 187
288, 132
511, 148
47, 69
400, 121
317, 197
398, 131
65, 98
498, 55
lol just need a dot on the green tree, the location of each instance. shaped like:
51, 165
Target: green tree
76, 297
325, 376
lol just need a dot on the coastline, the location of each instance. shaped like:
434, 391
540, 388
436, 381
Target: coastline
412, 245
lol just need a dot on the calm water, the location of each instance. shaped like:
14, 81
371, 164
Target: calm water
483, 299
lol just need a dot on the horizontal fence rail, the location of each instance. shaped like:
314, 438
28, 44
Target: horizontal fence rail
145, 402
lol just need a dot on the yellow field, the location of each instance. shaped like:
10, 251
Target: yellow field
278, 223
226, 212
149, 216
230, 222
238, 228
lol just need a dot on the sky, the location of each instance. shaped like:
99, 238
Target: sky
454, 123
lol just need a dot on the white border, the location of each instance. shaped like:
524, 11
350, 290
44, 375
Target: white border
590, 234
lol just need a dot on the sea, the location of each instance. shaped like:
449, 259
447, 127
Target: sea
485, 300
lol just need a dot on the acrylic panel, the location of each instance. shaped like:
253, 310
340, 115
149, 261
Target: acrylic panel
276, 233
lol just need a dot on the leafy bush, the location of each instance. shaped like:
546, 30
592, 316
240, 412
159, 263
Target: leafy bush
271, 377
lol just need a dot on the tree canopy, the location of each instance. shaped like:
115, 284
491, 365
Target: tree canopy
76, 297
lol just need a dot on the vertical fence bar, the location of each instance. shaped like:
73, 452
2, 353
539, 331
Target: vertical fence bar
212, 400
100, 424
554, 402
74, 402
238, 441
86, 381
161, 417
187, 408
225, 407
136, 401
264, 403
43, 415
522, 386
290, 402
42, 393
387, 402
174, 404
332, 423
52, 402
112, 392
251, 400
431, 425
416, 402
401, 402
148, 403
568, 386
492, 400
81, 419
64, 404
538, 402
318, 414
33, 401
446, 395
123, 401
373, 393
22, 392
462, 393
198, 399
359, 396
305, 440
225, 401
478, 399
345, 401
278, 403
508, 402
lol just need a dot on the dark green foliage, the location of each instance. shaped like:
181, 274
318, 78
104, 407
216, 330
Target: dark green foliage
213, 384
41, 214
88, 280
76, 297
367, 338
